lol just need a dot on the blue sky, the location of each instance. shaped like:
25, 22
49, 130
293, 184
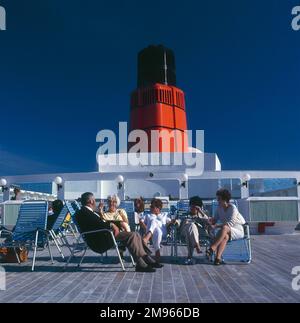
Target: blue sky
67, 69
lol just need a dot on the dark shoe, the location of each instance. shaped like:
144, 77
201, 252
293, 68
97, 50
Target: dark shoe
156, 265
219, 262
209, 253
151, 262
147, 269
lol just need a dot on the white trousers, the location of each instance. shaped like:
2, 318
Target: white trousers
158, 230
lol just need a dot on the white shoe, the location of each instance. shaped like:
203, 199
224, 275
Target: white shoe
189, 261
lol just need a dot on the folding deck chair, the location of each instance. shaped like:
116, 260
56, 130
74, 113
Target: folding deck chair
81, 244
30, 229
128, 206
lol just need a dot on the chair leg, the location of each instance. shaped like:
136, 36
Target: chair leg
49, 249
17, 256
81, 260
118, 252
66, 243
34, 251
71, 256
56, 244
72, 230
132, 261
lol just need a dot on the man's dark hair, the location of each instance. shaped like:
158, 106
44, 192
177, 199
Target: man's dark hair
17, 190
85, 198
157, 203
224, 194
196, 201
57, 206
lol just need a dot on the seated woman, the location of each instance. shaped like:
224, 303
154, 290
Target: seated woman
139, 215
115, 215
156, 225
189, 229
231, 227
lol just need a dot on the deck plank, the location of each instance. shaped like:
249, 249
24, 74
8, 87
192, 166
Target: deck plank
267, 279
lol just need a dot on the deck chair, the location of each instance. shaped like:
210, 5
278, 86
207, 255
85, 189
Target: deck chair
239, 251
128, 206
58, 230
81, 244
30, 229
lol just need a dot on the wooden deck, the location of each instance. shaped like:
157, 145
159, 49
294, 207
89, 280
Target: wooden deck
267, 279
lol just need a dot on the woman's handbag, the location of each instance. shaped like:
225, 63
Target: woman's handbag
8, 255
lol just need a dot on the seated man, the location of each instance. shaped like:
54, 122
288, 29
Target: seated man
189, 228
114, 214
156, 225
88, 220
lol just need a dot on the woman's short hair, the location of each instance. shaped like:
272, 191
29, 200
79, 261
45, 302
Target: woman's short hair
139, 205
157, 203
196, 201
114, 197
224, 195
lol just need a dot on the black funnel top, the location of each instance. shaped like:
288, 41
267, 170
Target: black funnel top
156, 64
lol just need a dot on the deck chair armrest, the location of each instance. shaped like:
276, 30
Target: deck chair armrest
246, 230
96, 231
5, 231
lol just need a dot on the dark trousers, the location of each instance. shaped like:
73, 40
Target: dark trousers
134, 243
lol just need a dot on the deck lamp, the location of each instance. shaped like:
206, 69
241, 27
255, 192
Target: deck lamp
120, 181
58, 181
3, 183
245, 179
184, 179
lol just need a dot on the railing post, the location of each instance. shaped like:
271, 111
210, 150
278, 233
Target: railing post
183, 190
6, 194
61, 192
121, 191
298, 195
244, 190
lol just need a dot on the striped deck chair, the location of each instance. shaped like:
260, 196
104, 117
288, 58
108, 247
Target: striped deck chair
81, 244
30, 229
128, 206
58, 230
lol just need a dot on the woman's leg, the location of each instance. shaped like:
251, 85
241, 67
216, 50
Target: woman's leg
221, 235
222, 247
156, 239
193, 237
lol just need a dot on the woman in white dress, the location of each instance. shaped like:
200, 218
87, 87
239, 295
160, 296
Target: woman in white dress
230, 222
